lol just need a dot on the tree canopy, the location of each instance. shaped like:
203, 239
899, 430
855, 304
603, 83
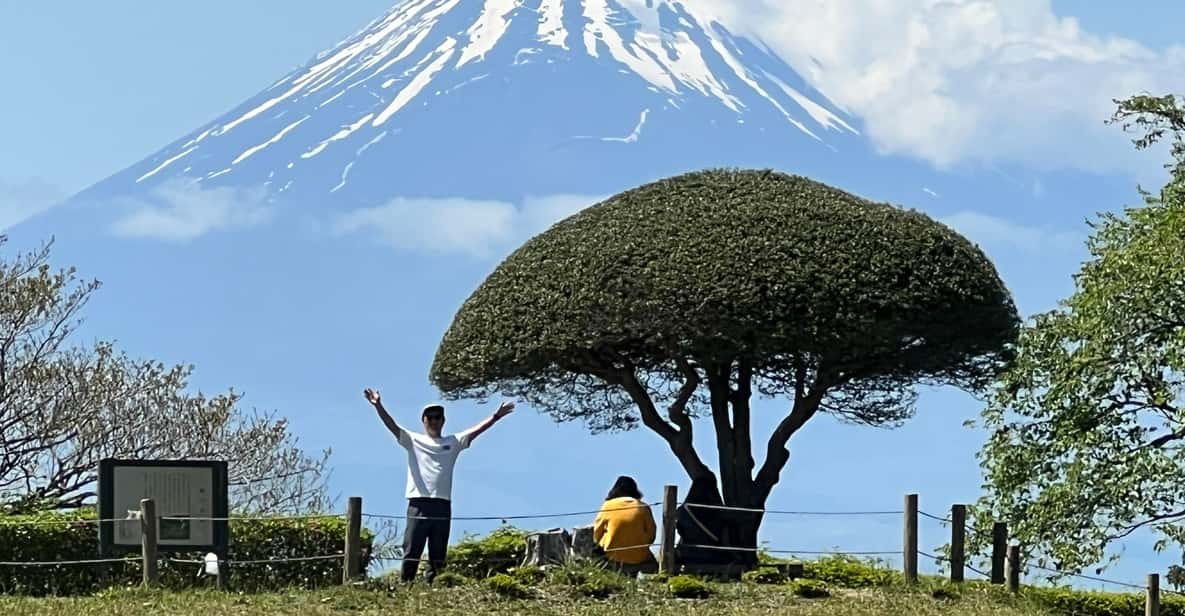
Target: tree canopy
1089, 422
63, 408
743, 280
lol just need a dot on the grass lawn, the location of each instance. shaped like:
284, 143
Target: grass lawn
641, 598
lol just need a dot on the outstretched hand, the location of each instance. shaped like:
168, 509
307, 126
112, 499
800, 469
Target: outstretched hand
372, 396
504, 409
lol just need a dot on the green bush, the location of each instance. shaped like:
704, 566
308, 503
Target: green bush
655, 578
849, 572
528, 575
590, 578
449, 579
687, 587
764, 575
498, 552
945, 592
1091, 603
503, 585
69, 536
810, 589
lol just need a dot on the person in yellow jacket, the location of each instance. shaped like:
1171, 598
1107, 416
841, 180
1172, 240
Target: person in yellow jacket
625, 529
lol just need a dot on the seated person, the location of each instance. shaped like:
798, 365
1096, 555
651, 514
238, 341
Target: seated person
624, 529
703, 526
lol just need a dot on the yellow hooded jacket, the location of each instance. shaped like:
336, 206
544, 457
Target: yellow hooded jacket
625, 523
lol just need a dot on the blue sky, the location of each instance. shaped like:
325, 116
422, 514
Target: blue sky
92, 88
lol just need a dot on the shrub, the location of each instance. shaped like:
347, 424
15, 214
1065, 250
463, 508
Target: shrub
687, 587
449, 579
498, 552
810, 589
71, 536
528, 575
945, 592
503, 585
1092, 603
578, 571
655, 578
764, 575
590, 578
848, 572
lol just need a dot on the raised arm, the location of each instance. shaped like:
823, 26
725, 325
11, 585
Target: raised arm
503, 410
372, 396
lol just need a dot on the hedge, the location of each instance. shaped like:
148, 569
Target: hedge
1092, 603
68, 536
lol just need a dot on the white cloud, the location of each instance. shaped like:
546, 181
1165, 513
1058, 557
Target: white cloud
181, 210
956, 81
477, 228
997, 235
21, 200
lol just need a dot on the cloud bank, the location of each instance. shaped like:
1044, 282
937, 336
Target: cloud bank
449, 226
967, 81
182, 210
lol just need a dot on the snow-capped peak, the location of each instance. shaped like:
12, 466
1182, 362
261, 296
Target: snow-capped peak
658, 54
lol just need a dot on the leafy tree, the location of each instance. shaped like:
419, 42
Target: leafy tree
64, 408
699, 291
1088, 424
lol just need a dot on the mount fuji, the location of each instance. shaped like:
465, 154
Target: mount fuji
505, 98
318, 238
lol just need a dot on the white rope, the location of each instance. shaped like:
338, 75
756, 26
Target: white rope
293, 559
50, 563
834, 552
536, 516
326, 516
775, 511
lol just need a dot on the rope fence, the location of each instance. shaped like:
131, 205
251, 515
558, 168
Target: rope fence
1005, 559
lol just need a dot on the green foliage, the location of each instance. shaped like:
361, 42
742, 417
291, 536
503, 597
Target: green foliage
66, 536
450, 579
601, 586
946, 592
1087, 422
810, 589
688, 587
777, 270
590, 578
764, 575
529, 575
498, 552
655, 578
579, 570
65, 407
1087, 603
506, 586
848, 572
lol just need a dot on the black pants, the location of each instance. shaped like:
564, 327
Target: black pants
433, 531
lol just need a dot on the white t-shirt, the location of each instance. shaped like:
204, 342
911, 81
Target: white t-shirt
430, 462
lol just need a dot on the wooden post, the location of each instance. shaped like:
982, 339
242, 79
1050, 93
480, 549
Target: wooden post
1014, 568
670, 501
1152, 599
352, 565
148, 541
910, 549
958, 542
999, 547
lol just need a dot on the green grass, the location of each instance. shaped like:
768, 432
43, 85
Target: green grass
474, 599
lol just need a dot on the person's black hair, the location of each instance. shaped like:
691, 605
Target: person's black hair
624, 486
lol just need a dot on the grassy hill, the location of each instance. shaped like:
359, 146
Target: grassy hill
471, 600
833, 587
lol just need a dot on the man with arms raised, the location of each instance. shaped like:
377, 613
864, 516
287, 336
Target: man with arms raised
430, 460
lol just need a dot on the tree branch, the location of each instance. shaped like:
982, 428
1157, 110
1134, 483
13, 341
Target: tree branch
806, 403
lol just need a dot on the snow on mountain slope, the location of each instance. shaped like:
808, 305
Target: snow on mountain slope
504, 97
